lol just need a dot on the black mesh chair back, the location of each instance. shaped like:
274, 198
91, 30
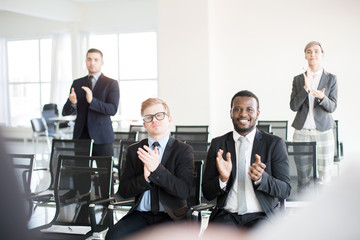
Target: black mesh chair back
191, 128
191, 136
23, 168
118, 137
80, 147
124, 136
198, 145
140, 130
265, 128
278, 127
122, 155
78, 183
195, 194
303, 168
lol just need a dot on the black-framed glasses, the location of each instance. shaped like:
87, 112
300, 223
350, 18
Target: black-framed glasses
159, 116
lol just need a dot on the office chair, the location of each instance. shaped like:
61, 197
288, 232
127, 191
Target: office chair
50, 110
140, 130
196, 207
191, 136
339, 148
191, 128
303, 169
118, 137
79, 147
120, 164
264, 127
278, 127
78, 186
39, 128
23, 168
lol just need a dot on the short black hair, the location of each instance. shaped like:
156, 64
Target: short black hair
245, 93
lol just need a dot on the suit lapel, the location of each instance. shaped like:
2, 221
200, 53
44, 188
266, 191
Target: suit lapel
167, 150
231, 148
256, 146
323, 80
98, 84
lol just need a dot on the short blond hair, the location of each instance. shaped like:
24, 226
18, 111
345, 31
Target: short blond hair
313, 43
153, 101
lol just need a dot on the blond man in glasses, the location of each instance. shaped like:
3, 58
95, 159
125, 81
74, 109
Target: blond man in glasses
158, 173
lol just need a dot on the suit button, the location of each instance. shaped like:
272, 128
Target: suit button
157, 177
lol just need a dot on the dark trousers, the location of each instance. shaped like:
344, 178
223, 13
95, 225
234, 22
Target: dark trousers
246, 221
100, 150
134, 222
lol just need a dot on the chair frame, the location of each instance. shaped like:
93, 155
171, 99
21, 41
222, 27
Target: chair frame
192, 128
26, 178
306, 153
274, 127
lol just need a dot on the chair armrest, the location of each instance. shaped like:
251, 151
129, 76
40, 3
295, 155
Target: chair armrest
202, 206
341, 149
199, 208
45, 196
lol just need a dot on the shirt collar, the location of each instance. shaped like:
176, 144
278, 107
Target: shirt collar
319, 72
162, 141
250, 136
96, 76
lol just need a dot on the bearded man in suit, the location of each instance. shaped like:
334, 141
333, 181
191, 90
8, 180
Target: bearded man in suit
247, 170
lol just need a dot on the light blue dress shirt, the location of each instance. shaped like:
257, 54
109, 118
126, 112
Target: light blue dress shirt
145, 203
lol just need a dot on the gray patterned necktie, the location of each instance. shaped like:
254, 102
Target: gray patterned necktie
242, 175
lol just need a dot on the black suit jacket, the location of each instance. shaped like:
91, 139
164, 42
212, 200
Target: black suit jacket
275, 182
173, 177
97, 114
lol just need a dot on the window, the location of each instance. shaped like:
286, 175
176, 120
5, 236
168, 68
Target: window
130, 58
29, 68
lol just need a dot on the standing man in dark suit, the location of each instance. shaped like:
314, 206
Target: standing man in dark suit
94, 98
247, 170
314, 98
158, 173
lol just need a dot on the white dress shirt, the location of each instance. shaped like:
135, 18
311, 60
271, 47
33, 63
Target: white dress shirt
310, 121
252, 202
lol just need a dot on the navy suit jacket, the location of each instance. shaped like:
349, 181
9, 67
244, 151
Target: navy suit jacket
275, 182
299, 102
173, 177
97, 114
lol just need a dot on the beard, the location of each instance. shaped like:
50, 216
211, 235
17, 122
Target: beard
243, 130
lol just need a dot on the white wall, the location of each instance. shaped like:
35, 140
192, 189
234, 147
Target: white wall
258, 45
184, 60
210, 49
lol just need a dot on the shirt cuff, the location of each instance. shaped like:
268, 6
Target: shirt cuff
258, 181
222, 184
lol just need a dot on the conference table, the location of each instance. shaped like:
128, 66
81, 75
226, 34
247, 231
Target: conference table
63, 119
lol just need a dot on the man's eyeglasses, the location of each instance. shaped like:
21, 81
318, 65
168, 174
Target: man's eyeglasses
159, 116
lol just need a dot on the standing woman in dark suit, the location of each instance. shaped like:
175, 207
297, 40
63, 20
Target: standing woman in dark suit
94, 98
314, 98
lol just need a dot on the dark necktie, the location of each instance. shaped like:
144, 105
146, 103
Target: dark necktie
154, 192
90, 81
